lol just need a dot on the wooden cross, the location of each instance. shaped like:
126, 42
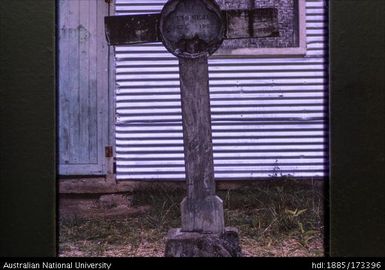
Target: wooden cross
192, 30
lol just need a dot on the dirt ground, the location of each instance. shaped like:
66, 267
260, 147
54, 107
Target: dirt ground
279, 220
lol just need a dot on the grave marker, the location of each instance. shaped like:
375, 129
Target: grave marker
192, 30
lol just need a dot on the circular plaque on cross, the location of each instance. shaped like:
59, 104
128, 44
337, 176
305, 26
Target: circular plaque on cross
191, 28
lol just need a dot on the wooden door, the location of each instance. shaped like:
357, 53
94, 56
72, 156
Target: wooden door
83, 83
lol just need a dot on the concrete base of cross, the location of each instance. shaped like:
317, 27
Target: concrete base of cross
194, 244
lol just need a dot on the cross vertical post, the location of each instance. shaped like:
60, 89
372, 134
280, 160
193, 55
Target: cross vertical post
201, 210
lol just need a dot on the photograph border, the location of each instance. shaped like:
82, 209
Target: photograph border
28, 135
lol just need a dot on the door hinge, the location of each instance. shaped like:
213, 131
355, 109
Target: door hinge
114, 168
108, 1
109, 153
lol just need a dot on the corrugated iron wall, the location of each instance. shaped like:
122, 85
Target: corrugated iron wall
268, 114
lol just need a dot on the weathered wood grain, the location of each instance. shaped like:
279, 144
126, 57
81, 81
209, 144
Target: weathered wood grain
201, 210
132, 29
83, 87
198, 150
251, 23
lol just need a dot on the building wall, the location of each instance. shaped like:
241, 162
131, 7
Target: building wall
268, 114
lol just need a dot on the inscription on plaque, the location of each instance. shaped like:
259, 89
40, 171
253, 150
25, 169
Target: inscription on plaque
191, 28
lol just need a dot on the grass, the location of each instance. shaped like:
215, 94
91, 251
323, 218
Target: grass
283, 218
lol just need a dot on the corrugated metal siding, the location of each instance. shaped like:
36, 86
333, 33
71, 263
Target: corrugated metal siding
268, 114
